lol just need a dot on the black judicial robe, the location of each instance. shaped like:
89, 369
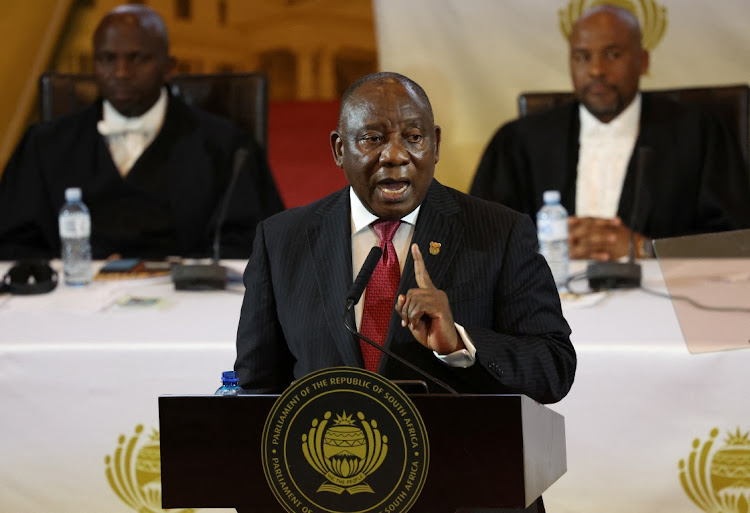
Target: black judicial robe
695, 181
166, 205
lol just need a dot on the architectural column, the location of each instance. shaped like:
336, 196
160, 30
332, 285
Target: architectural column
31, 30
327, 75
306, 89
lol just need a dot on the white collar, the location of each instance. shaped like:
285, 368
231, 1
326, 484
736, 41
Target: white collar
626, 123
362, 218
150, 121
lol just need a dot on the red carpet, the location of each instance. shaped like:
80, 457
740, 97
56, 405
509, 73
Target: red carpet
299, 150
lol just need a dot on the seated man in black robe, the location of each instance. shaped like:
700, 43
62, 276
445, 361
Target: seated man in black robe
153, 170
694, 177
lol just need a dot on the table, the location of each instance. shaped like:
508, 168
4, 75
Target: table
79, 378
641, 403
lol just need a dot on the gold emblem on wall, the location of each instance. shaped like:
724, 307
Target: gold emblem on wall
718, 480
134, 472
651, 16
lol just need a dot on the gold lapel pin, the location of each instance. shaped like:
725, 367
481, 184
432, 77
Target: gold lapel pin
435, 248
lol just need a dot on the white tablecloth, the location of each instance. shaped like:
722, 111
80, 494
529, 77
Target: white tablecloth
80, 377
640, 402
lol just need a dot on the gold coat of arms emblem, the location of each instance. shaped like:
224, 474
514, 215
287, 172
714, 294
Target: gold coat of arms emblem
717, 479
134, 472
345, 454
345, 440
652, 17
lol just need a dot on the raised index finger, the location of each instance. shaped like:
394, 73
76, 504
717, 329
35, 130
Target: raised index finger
420, 271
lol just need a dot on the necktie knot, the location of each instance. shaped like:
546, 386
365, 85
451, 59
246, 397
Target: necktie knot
386, 229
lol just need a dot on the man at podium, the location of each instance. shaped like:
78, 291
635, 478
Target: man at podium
467, 297
482, 312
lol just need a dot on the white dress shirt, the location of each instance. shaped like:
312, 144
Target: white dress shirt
364, 238
128, 137
604, 153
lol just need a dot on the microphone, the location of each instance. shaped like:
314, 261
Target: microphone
211, 276
352, 298
365, 273
622, 275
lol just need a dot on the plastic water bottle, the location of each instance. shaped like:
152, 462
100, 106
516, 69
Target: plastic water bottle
552, 231
229, 384
75, 231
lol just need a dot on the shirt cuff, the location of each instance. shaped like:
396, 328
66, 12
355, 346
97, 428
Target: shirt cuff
463, 358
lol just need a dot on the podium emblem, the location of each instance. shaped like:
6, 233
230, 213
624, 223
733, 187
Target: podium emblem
717, 480
346, 453
345, 440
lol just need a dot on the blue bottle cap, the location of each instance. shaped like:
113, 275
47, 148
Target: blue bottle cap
229, 377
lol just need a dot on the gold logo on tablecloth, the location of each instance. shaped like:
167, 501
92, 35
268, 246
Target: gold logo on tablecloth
718, 480
652, 17
344, 453
345, 440
134, 472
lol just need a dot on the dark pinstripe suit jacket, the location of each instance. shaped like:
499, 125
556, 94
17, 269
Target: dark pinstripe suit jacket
499, 289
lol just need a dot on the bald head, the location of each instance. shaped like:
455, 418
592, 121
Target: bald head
623, 16
136, 15
131, 58
387, 143
381, 78
606, 60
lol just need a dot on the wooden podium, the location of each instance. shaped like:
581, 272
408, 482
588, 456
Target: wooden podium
486, 451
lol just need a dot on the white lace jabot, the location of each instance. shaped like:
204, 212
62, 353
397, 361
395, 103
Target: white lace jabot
603, 157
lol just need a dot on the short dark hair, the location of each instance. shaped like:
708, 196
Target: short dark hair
379, 78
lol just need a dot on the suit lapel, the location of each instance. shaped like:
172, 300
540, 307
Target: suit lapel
647, 138
439, 221
104, 163
571, 149
557, 149
329, 240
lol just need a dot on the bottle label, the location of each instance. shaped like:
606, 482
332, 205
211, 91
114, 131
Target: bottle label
75, 226
549, 229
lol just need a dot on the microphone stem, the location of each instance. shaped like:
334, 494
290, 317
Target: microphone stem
395, 356
631, 249
239, 159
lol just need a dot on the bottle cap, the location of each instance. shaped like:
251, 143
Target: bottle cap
73, 194
551, 197
229, 377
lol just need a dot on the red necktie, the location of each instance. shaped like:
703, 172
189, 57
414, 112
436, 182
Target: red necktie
380, 295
